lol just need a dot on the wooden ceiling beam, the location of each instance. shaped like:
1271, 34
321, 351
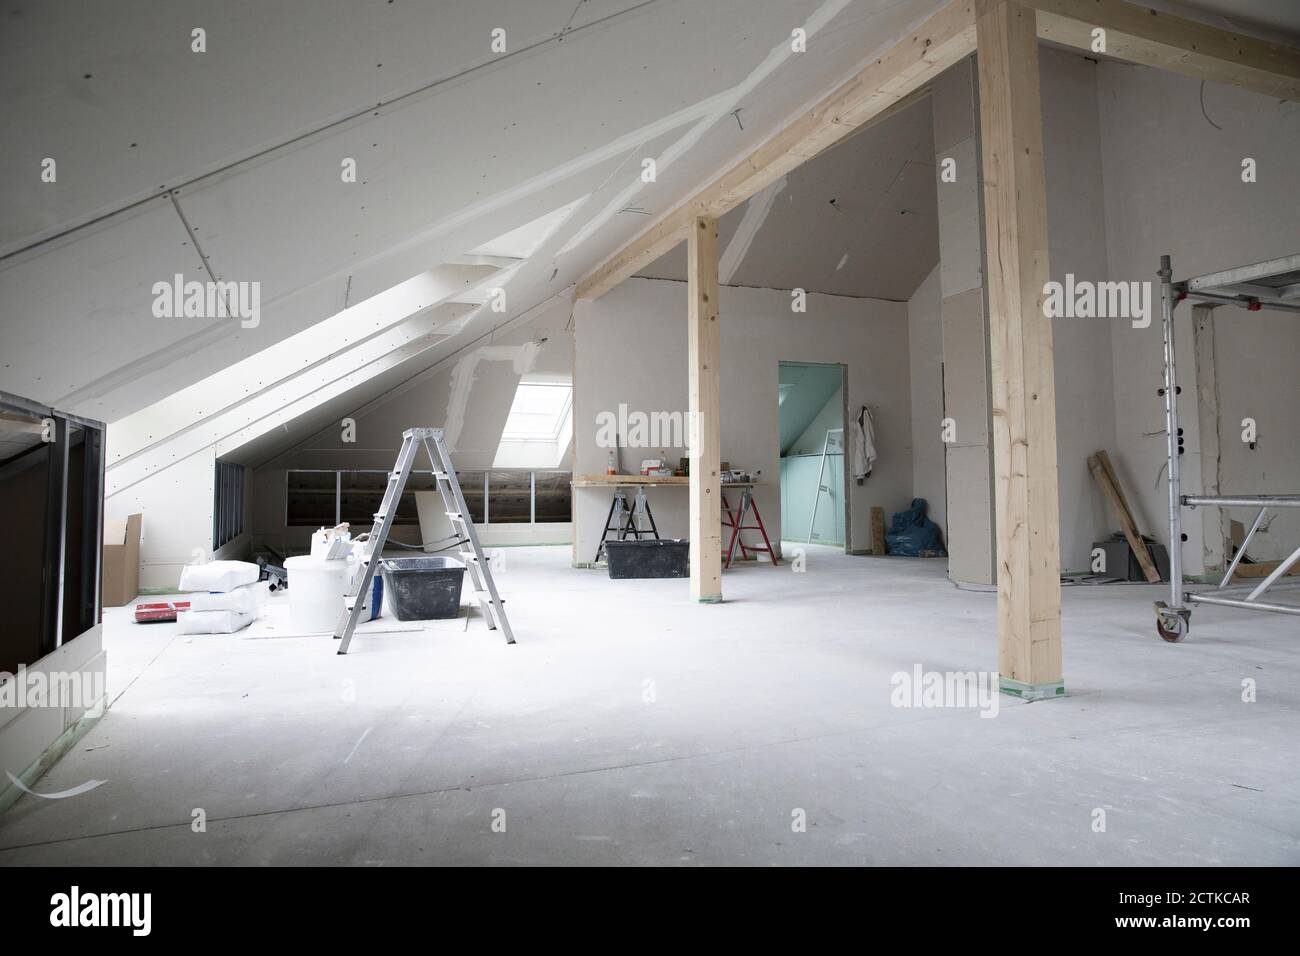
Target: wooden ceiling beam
881, 88
1154, 38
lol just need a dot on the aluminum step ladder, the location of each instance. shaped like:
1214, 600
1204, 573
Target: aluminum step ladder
476, 564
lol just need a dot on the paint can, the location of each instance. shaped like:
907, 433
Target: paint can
316, 589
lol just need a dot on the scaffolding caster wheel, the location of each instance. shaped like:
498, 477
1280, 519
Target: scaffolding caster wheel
1173, 623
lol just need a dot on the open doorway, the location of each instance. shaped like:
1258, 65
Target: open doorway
812, 417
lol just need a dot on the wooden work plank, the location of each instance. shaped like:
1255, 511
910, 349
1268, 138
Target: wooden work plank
1261, 569
1020, 349
1115, 496
1155, 38
877, 531
880, 88
1143, 553
597, 481
633, 481
1109, 468
705, 407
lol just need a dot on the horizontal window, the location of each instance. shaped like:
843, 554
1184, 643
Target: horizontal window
321, 499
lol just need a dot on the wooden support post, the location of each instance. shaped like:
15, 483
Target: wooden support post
705, 411
1020, 345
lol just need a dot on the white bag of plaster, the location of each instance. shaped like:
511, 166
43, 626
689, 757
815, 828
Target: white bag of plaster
218, 575
247, 599
212, 622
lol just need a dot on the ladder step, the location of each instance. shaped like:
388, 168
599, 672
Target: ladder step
487, 596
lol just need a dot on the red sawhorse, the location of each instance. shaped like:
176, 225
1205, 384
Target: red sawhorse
735, 520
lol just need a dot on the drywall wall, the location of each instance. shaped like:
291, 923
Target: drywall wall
176, 505
949, 330
468, 394
631, 350
1255, 355
1076, 235
34, 736
1174, 185
963, 312
925, 362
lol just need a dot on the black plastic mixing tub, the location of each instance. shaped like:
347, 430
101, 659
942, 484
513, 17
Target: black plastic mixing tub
423, 588
669, 558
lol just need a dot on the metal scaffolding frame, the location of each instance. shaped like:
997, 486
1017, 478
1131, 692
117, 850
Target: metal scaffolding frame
1274, 284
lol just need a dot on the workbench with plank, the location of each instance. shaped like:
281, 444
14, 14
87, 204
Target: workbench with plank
627, 520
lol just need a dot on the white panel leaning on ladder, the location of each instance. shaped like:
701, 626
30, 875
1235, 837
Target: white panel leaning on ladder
476, 565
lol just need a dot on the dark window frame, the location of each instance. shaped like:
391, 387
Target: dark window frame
228, 483
475, 485
54, 553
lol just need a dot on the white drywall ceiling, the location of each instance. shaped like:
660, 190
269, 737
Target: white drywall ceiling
239, 148
85, 73
241, 137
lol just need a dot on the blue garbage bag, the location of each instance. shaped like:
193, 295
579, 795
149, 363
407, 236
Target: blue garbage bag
911, 534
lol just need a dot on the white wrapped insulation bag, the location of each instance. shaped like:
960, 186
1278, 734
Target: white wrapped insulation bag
212, 622
218, 575
247, 599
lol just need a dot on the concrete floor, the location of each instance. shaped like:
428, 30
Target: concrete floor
631, 726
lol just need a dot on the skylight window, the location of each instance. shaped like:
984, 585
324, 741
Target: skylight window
539, 412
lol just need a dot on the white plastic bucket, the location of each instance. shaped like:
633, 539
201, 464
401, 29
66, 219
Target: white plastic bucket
316, 589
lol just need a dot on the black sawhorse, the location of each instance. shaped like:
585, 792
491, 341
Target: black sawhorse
627, 523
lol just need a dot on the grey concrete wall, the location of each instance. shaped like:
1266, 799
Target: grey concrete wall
631, 348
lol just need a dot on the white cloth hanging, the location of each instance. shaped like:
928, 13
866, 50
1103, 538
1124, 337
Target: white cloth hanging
864, 445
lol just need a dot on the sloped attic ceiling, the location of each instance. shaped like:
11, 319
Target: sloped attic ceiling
861, 219
226, 163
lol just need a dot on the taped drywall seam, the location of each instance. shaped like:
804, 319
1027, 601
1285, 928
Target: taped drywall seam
465, 372
777, 57
497, 61
755, 212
